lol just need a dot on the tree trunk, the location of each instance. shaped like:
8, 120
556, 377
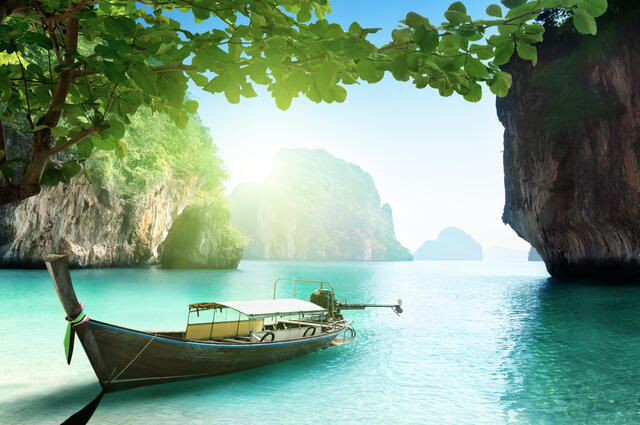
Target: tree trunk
29, 184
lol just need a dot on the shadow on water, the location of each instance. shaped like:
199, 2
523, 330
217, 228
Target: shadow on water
573, 353
55, 406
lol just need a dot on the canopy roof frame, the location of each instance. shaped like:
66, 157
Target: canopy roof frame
262, 308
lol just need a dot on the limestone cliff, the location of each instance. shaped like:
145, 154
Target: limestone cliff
94, 226
124, 213
314, 206
572, 148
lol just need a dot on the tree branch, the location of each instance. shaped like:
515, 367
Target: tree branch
3, 154
50, 119
78, 137
70, 13
54, 41
180, 67
40, 9
26, 91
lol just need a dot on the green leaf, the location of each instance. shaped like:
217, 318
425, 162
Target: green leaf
246, 90
427, 40
355, 29
339, 93
43, 96
511, 4
527, 52
474, 94
504, 52
368, 71
508, 29
502, 83
584, 22
115, 130
199, 79
357, 48
165, 47
534, 29
52, 175
191, 106
475, 68
283, 101
70, 169
482, 51
456, 17
121, 149
59, 132
401, 35
201, 13
232, 93
400, 68
494, 10
594, 8
102, 143
84, 148
444, 86
180, 118
415, 20
304, 14
458, 7
446, 63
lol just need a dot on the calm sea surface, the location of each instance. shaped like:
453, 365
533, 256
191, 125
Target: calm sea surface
478, 343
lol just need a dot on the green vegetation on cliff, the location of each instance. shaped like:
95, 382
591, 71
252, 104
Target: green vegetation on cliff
202, 237
315, 206
156, 149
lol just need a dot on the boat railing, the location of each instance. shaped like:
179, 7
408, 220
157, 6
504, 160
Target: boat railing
295, 282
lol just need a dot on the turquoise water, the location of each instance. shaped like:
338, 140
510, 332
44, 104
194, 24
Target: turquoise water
478, 343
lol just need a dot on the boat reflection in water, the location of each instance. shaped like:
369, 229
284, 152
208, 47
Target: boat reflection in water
220, 337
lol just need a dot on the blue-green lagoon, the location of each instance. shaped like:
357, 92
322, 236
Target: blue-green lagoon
477, 343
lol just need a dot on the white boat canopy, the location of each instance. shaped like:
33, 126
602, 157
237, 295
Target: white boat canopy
264, 308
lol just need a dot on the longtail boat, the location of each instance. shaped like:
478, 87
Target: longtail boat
220, 337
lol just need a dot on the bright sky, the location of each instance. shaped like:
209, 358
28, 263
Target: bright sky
437, 161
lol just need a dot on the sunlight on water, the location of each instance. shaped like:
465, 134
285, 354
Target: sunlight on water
478, 343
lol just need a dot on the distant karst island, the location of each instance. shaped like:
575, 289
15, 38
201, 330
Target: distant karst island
314, 206
451, 244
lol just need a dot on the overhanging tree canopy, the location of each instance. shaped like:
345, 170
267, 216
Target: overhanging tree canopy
77, 70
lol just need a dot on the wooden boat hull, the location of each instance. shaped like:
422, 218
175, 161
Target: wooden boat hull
161, 359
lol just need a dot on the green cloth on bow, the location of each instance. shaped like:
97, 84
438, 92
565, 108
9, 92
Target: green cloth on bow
68, 342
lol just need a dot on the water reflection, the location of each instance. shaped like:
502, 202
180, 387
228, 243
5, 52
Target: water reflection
574, 352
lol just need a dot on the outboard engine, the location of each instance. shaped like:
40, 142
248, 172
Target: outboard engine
325, 299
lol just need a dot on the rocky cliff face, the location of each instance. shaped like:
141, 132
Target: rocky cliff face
314, 206
90, 224
572, 149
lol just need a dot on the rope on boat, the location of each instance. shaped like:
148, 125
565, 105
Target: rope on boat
131, 362
69, 335
82, 416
